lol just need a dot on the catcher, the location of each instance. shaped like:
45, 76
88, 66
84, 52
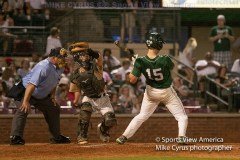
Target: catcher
88, 79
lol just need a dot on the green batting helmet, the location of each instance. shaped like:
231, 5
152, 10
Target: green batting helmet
155, 41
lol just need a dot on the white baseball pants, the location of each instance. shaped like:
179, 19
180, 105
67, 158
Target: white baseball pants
102, 104
152, 97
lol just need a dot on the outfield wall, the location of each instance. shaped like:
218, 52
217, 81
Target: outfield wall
226, 126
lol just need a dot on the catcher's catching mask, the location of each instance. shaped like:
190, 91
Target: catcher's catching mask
80, 54
83, 59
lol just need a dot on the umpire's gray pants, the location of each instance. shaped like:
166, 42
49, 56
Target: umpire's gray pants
50, 112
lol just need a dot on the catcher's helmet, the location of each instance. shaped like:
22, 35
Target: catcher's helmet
155, 41
81, 49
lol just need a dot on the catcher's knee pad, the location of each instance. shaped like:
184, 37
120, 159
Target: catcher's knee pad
85, 111
109, 119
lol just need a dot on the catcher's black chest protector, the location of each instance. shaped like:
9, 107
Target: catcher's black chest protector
88, 83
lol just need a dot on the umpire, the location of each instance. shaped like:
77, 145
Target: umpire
37, 88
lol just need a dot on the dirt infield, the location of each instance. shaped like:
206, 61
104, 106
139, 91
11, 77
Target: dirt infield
105, 151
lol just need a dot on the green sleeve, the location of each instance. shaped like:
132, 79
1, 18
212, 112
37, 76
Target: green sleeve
137, 68
213, 32
169, 63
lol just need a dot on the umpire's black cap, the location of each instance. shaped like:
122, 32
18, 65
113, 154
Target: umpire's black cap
58, 52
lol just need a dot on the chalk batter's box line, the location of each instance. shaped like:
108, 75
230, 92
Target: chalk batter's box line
93, 145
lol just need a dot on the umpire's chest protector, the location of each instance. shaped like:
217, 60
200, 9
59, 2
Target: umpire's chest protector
89, 84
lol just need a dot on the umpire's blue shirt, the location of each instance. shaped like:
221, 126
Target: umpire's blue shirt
44, 76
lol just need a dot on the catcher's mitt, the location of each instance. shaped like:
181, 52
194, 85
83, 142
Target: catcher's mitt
78, 47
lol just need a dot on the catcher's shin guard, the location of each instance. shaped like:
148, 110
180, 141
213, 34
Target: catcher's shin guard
108, 122
83, 124
103, 134
109, 119
82, 132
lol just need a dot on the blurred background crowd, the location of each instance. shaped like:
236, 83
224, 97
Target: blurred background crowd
125, 97
26, 30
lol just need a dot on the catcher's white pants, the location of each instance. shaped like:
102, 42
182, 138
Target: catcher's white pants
152, 97
102, 104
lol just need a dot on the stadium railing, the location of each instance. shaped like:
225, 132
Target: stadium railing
215, 90
194, 82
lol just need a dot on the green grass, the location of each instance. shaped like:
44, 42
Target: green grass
147, 158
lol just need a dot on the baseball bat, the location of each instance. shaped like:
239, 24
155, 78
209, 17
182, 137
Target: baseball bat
132, 55
117, 43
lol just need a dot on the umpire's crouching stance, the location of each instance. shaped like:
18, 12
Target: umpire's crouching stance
38, 89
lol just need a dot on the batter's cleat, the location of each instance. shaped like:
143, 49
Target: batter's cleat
121, 140
182, 140
16, 140
104, 136
60, 140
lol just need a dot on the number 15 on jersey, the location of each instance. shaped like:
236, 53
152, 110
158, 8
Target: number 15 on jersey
155, 74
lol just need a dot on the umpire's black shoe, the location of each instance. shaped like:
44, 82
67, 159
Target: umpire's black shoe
16, 140
60, 140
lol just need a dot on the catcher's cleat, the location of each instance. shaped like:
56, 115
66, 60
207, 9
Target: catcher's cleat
104, 136
121, 140
16, 140
82, 140
182, 140
60, 140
